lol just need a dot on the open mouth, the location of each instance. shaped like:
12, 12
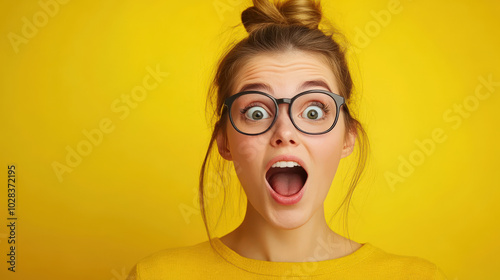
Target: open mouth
286, 177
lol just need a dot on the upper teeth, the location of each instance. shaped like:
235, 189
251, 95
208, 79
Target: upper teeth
283, 164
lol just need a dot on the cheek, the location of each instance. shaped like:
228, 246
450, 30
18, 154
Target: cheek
327, 153
246, 152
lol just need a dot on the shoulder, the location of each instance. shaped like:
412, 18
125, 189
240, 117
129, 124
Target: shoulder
174, 262
401, 266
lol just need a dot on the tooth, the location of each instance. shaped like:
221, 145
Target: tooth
283, 164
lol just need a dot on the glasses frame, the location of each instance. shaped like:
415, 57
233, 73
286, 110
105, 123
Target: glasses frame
339, 101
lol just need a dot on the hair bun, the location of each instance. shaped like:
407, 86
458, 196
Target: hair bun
291, 12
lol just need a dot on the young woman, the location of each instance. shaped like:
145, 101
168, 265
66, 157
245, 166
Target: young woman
282, 118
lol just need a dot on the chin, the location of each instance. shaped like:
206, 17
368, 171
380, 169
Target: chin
288, 218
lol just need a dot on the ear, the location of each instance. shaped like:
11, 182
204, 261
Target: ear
349, 141
223, 146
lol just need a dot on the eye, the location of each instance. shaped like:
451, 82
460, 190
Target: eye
313, 112
256, 113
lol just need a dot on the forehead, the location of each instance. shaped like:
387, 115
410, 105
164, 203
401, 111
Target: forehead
285, 74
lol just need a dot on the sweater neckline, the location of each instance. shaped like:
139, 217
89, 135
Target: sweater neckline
307, 268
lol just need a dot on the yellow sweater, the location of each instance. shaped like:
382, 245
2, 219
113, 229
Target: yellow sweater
201, 261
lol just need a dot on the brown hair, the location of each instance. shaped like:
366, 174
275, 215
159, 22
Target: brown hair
278, 27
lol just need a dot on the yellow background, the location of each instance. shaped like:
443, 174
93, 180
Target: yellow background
123, 200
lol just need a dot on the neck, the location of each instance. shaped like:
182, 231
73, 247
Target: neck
257, 239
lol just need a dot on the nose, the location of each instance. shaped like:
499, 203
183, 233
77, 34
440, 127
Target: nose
284, 132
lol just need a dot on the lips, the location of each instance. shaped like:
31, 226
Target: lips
286, 177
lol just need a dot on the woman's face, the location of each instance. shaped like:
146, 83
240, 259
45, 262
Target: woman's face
286, 197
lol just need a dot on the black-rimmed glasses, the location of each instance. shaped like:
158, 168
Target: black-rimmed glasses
311, 112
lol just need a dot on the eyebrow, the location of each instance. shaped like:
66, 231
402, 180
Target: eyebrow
266, 88
314, 83
257, 86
